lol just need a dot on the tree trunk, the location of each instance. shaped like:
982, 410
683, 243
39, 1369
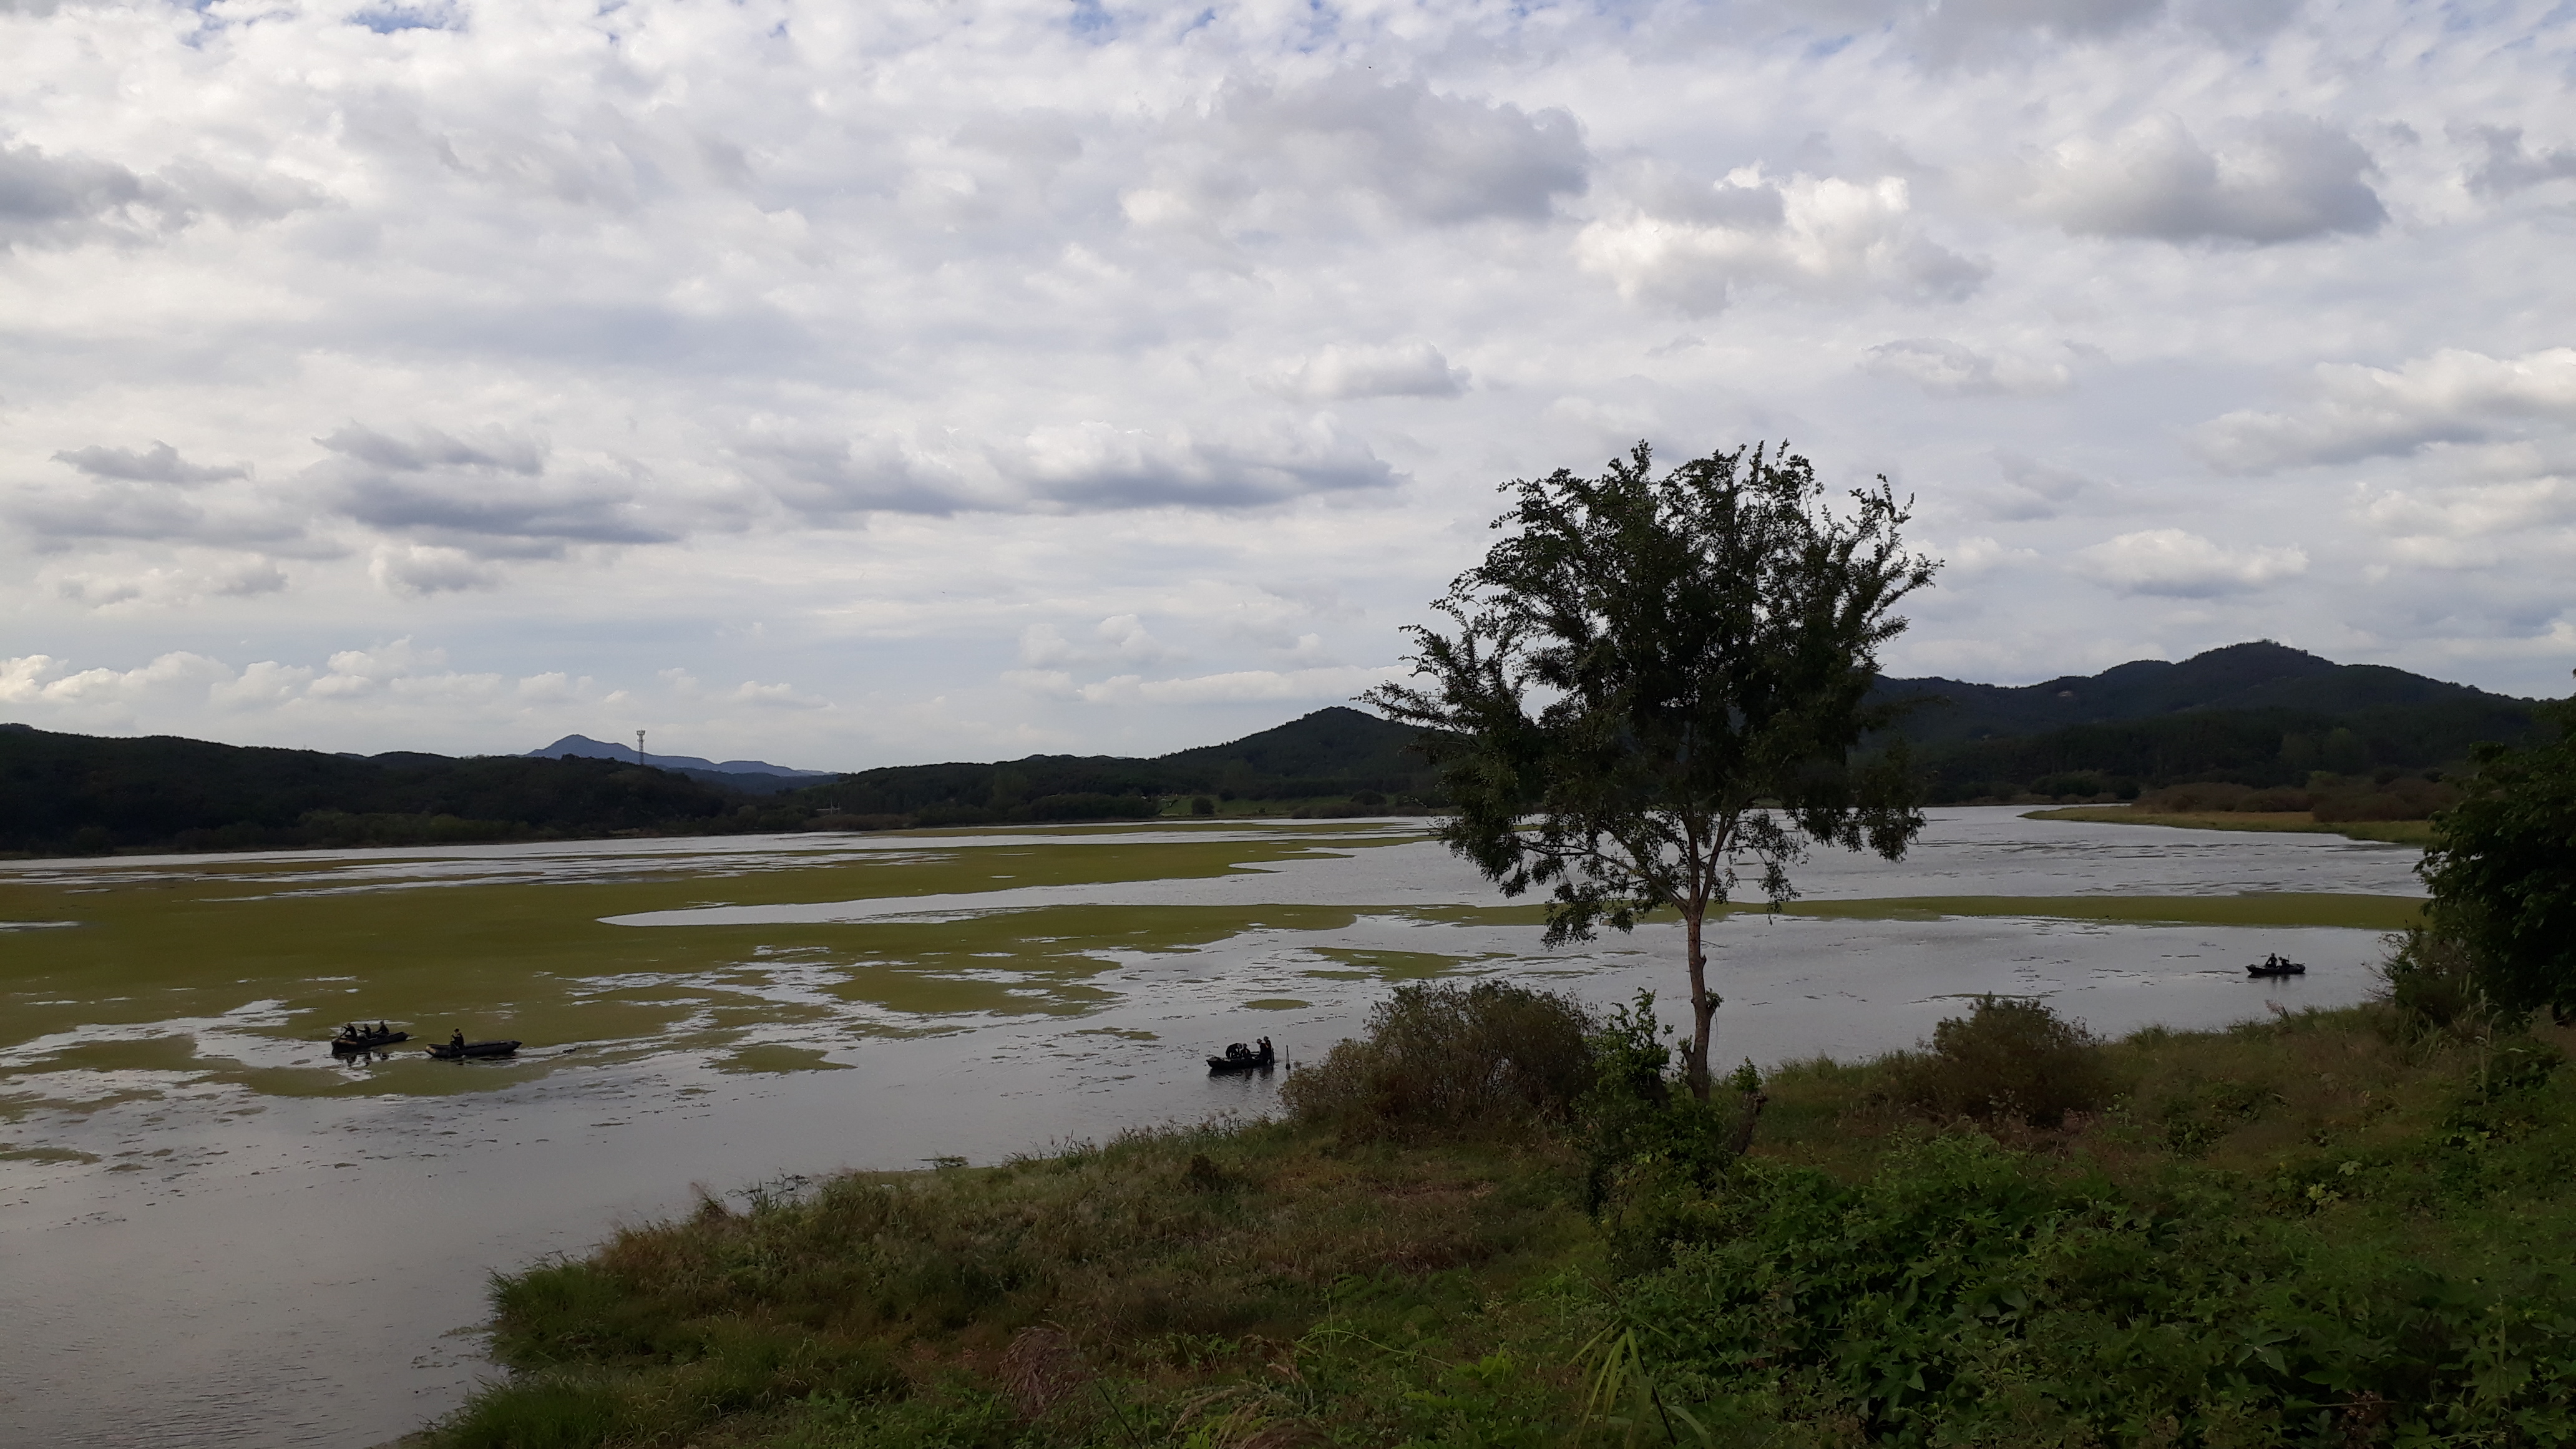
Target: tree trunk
1703, 1005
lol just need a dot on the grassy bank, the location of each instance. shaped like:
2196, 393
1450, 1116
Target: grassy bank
2315, 1230
2392, 832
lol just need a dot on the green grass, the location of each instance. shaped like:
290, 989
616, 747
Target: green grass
2312, 1231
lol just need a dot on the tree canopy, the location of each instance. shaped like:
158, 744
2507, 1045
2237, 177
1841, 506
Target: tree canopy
2503, 869
1655, 686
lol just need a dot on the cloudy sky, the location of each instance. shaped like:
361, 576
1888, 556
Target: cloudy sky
853, 384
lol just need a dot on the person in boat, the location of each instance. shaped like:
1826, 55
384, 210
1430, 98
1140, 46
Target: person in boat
1236, 1051
457, 1041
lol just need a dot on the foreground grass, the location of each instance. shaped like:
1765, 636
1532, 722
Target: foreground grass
2389, 832
2308, 1231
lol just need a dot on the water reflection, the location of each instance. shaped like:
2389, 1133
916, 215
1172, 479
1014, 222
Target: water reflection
188, 1221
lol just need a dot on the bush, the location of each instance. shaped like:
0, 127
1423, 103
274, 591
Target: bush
2432, 980
2007, 1058
1449, 1058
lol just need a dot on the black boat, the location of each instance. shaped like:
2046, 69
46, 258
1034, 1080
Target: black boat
451, 1052
1241, 1058
346, 1044
2276, 966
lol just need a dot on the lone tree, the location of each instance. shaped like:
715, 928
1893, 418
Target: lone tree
2502, 870
1655, 687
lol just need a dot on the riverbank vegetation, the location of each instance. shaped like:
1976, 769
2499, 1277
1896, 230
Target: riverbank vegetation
2324, 1228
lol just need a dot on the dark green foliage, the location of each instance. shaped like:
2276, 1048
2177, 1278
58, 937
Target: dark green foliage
2007, 1059
1969, 1295
1450, 1058
1703, 643
543, 1413
2503, 870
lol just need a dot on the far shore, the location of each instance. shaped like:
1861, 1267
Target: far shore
2388, 832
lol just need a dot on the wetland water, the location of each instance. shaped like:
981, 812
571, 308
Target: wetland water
213, 1234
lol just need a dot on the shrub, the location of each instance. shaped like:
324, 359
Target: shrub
2007, 1058
1448, 1057
2432, 980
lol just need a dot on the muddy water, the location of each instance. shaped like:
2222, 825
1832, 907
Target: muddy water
202, 1216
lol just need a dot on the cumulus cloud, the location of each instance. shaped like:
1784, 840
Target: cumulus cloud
54, 200
1349, 147
1944, 368
1408, 369
160, 463
1096, 466
2179, 564
1694, 249
2510, 165
483, 494
2356, 412
2275, 178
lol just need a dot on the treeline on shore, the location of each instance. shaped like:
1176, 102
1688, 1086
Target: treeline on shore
81, 794
2355, 742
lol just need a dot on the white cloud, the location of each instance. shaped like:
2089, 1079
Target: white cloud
1327, 685
2357, 412
1411, 369
1944, 368
2179, 564
1805, 234
2275, 178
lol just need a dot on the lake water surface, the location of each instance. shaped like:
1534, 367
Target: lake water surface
213, 1234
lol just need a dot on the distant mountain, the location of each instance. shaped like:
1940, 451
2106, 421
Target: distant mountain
590, 749
2259, 675
2259, 714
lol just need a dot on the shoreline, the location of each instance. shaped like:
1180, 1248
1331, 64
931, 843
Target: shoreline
2300, 822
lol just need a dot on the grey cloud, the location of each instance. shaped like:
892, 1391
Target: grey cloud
1094, 466
1414, 369
1284, 157
65, 200
2282, 178
2354, 412
2034, 490
116, 508
1944, 368
60, 200
160, 463
487, 494
493, 448
2511, 166
824, 479
1953, 28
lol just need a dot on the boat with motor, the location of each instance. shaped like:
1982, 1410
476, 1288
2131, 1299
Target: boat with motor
460, 1051
1241, 1058
2276, 965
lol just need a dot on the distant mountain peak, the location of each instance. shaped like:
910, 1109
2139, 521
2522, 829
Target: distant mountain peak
587, 748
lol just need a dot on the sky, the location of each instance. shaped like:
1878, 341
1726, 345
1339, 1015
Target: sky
861, 384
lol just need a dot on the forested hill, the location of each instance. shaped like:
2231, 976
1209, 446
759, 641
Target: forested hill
1332, 753
2256, 676
66, 793
2259, 714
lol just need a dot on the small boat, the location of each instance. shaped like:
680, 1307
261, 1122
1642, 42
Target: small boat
345, 1044
2276, 966
1240, 1058
450, 1052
